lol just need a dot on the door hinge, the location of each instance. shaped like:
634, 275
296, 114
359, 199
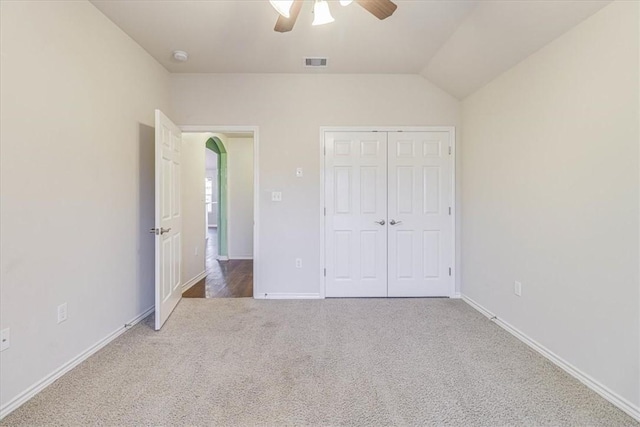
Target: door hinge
325, 211
449, 150
325, 150
325, 272
449, 210
449, 271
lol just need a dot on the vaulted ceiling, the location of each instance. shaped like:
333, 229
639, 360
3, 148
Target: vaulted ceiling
458, 45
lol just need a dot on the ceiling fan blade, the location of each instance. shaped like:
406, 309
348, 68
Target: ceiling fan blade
286, 24
381, 9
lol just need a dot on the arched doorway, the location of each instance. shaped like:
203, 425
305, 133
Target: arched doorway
215, 144
219, 198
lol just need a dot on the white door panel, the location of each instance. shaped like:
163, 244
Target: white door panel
355, 186
420, 243
168, 218
401, 178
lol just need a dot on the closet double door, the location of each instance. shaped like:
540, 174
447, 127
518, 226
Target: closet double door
388, 214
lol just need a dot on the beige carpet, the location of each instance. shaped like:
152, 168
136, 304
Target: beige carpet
334, 362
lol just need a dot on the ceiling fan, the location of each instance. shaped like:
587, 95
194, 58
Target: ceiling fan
290, 9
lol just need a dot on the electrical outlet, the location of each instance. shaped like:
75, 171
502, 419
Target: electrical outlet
276, 196
298, 262
62, 312
5, 339
299, 172
517, 288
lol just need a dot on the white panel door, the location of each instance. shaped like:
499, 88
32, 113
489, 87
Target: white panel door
168, 223
356, 211
420, 221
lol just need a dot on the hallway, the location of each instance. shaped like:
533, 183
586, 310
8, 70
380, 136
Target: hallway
225, 279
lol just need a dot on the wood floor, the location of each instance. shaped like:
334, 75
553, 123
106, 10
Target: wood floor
225, 279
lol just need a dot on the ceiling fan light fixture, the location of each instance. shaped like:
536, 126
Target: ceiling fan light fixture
345, 2
321, 13
282, 6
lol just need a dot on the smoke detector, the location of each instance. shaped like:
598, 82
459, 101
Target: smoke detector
180, 55
315, 62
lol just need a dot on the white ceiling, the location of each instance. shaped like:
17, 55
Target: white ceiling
458, 45
498, 35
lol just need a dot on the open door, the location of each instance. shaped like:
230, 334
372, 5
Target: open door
168, 223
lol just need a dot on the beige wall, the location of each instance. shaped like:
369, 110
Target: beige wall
551, 193
240, 188
77, 104
289, 110
193, 213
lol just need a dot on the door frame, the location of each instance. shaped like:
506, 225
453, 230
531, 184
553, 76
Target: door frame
256, 186
323, 129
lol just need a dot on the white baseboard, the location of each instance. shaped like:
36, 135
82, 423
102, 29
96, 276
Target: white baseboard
287, 296
240, 257
457, 295
49, 379
478, 307
593, 384
193, 281
223, 258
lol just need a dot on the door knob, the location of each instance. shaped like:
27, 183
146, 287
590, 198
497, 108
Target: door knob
164, 230
393, 222
381, 222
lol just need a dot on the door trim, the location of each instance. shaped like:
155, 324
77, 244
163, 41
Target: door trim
256, 188
452, 129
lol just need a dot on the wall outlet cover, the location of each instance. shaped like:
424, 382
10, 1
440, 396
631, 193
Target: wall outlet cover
62, 312
517, 288
5, 339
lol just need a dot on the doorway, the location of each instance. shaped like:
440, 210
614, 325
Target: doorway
211, 189
228, 205
389, 213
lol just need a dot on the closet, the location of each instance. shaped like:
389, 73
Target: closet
388, 217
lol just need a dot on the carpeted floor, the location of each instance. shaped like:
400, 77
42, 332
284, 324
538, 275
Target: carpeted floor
334, 362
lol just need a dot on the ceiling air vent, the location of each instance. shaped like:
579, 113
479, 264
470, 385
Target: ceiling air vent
315, 62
